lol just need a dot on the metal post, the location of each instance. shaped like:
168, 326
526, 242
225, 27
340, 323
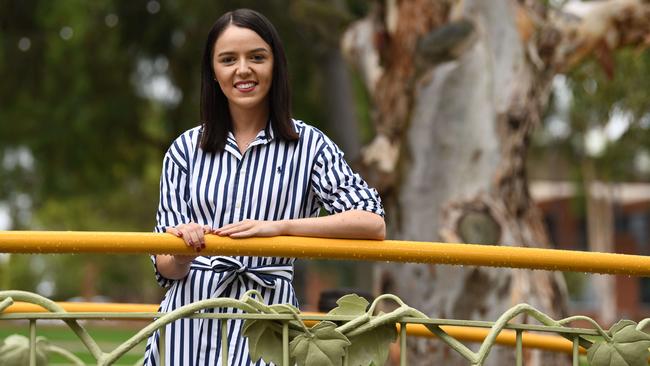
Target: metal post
161, 345
576, 351
519, 348
224, 342
402, 344
285, 343
32, 342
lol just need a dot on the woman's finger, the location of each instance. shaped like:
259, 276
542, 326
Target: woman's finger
243, 234
173, 231
195, 239
230, 226
236, 229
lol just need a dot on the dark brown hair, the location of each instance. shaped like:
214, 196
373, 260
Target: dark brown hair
215, 114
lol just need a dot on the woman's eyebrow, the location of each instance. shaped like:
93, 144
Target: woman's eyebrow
226, 53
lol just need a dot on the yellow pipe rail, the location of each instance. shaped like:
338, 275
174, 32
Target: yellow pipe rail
82, 307
470, 334
319, 248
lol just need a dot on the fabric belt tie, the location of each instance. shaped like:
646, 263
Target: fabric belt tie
233, 269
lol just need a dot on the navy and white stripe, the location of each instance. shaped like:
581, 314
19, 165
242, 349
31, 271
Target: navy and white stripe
272, 180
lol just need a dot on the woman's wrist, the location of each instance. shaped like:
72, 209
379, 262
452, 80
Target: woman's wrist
182, 261
284, 227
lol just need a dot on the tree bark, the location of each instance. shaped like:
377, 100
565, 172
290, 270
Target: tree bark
458, 88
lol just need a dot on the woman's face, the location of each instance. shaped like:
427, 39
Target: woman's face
243, 66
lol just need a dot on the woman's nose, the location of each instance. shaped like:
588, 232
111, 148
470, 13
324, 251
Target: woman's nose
243, 67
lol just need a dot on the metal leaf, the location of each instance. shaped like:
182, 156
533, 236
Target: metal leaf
265, 336
628, 347
324, 347
372, 347
351, 304
15, 351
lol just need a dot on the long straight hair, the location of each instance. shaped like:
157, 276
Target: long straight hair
215, 113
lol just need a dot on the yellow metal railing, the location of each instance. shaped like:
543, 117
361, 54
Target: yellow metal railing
301, 247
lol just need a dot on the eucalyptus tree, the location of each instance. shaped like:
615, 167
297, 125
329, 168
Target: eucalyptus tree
458, 87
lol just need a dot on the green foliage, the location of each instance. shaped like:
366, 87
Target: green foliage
594, 99
628, 347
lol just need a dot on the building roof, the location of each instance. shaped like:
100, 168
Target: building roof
622, 192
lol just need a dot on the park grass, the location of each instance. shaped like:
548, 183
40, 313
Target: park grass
107, 335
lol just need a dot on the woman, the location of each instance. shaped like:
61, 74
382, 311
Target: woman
247, 170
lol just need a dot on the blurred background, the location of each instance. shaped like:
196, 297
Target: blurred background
92, 94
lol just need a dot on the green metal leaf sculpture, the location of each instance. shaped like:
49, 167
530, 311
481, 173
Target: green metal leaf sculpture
14, 351
352, 304
370, 347
264, 336
628, 347
364, 334
324, 345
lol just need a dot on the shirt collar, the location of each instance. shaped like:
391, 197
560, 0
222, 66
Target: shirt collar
265, 136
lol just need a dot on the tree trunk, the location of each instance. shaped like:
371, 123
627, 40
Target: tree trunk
462, 175
458, 89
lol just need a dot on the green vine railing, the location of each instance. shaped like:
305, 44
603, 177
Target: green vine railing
354, 333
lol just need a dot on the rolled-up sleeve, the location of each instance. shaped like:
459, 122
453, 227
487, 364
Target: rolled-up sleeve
173, 208
337, 187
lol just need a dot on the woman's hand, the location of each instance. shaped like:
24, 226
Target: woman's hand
193, 235
177, 266
248, 228
353, 224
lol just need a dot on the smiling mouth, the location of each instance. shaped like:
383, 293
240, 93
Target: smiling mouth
245, 86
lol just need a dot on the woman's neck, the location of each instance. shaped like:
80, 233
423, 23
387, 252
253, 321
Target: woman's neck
246, 122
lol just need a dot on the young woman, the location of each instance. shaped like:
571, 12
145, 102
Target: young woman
247, 170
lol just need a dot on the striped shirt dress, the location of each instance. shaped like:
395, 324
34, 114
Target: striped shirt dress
271, 180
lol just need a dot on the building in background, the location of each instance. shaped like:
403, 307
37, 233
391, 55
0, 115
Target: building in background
563, 206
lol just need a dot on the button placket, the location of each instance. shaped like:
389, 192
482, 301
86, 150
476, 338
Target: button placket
239, 194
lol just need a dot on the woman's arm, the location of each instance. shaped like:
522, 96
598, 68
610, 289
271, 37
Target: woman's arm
352, 224
173, 267
176, 267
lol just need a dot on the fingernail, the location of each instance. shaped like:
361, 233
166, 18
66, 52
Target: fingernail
202, 246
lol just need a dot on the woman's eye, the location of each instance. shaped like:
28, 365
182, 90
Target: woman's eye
227, 60
258, 58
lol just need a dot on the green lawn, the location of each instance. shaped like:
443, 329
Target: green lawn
106, 335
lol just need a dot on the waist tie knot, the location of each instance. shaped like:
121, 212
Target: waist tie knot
233, 269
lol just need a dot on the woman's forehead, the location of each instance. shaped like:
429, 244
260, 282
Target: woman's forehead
236, 39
